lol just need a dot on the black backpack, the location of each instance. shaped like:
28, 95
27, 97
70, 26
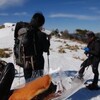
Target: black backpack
2, 66
24, 45
7, 73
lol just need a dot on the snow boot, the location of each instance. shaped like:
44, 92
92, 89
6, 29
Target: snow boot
93, 87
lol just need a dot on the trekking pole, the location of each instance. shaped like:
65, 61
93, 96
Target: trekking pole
48, 53
19, 75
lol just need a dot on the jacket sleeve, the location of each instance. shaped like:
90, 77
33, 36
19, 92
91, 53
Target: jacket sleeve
46, 44
96, 50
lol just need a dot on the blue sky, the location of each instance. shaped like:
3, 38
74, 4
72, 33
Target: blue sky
61, 14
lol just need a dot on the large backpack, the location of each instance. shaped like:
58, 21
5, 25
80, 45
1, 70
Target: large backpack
24, 46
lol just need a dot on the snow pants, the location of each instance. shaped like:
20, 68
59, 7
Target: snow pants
94, 62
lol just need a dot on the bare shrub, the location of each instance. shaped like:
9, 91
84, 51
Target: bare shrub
61, 49
5, 53
75, 47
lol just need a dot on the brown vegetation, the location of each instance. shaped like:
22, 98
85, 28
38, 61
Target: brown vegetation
5, 53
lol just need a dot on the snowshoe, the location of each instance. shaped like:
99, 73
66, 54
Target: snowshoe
78, 77
93, 87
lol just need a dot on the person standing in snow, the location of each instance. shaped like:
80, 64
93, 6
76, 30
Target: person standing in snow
41, 44
93, 58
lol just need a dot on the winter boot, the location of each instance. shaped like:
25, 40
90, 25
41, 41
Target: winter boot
93, 86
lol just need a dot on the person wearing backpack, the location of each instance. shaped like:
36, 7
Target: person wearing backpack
93, 58
33, 44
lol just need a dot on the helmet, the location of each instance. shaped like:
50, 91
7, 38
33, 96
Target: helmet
90, 34
37, 20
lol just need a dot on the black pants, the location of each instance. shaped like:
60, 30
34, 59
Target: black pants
27, 73
94, 62
6, 80
31, 74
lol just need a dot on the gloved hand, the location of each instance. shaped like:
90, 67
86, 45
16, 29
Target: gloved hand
49, 37
86, 49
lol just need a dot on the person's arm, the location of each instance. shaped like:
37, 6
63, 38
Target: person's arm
46, 42
96, 51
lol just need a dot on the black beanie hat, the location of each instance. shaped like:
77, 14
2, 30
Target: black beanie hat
37, 20
90, 34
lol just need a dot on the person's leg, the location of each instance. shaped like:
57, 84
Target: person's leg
36, 74
6, 80
27, 73
94, 85
40, 72
86, 63
95, 71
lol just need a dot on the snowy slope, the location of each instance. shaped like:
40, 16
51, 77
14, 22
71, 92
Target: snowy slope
69, 61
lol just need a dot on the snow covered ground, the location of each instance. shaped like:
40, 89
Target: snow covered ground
69, 61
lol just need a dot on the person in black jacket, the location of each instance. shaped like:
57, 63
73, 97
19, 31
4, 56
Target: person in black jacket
93, 58
39, 43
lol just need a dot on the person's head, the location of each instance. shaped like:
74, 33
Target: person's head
90, 36
37, 20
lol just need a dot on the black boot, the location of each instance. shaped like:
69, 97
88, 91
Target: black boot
93, 86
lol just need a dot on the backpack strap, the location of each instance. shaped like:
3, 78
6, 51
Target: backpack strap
22, 31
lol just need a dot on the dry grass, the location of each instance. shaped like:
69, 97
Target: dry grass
5, 53
82, 59
61, 49
74, 47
